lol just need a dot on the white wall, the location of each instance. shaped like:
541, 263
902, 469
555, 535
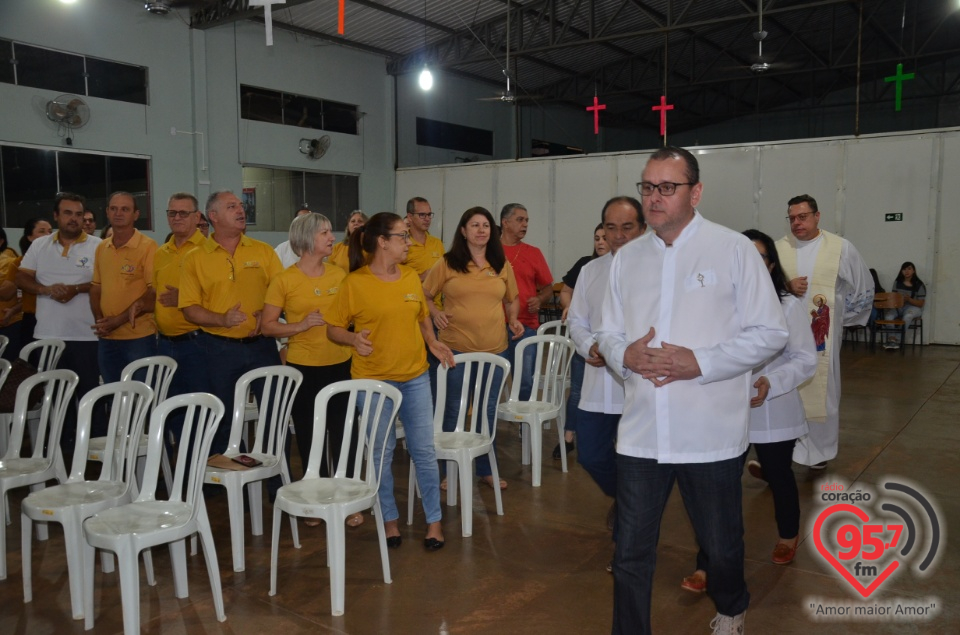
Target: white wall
856, 182
194, 79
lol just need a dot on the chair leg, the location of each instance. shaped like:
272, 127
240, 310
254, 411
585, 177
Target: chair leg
106, 562
89, 555
213, 569
148, 567
275, 546
337, 558
495, 471
382, 537
178, 562
465, 468
129, 590
3, 542
74, 543
285, 477
255, 499
26, 546
235, 508
536, 450
42, 531
561, 435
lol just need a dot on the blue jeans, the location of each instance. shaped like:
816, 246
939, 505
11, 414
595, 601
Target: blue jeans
416, 412
529, 359
597, 448
712, 496
450, 410
230, 360
192, 375
577, 365
114, 355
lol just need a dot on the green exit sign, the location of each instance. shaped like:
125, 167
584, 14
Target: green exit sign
898, 216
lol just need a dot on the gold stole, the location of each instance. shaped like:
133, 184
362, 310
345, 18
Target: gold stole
813, 392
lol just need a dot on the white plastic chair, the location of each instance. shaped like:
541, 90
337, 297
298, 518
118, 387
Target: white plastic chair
47, 357
334, 498
78, 499
4, 342
157, 373
280, 387
5, 368
45, 463
147, 522
561, 328
546, 397
474, 434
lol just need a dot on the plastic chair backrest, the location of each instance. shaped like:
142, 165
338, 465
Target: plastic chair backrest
58, 387
155, 371
4, 370
49, 354
280, 386
4, 342
550, 368
554, 327
376, 396
129, 402
480, 385
203, 413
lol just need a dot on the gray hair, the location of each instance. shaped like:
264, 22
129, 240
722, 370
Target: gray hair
185, 196
303, 229
213, 198
509, 209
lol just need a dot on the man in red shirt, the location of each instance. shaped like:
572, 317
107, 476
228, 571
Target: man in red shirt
534, 282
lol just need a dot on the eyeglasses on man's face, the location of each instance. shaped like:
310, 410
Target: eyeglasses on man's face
802, 217
423, 215
179, 213
666, 188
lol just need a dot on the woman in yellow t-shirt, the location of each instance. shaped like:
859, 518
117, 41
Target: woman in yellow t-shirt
476, 282
384, 301
33, 229
304, 293
339, 255
11, 307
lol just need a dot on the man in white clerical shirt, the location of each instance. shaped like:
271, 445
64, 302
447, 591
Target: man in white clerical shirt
828, 273
690, 311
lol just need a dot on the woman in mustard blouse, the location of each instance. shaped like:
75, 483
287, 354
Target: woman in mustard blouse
339, 255
384, 301
304, 292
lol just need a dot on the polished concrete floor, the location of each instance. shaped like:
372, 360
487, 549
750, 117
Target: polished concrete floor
540, 568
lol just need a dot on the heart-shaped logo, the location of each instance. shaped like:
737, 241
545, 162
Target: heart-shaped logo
829, 557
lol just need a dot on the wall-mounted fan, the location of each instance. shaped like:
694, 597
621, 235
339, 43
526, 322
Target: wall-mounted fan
69, 112
315, 148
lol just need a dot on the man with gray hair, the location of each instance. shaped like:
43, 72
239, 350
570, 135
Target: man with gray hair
222, 290
534, 282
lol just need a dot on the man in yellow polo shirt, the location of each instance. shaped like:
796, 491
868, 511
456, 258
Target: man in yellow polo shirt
425, 250
178, 336
222, 290
121, 294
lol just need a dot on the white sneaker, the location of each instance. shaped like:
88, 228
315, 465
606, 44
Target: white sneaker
726, 625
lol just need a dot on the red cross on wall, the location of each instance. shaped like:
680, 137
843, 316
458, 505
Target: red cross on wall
663, 108
340, 19
596, 108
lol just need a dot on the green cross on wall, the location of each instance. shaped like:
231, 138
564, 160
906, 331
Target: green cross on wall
900, 77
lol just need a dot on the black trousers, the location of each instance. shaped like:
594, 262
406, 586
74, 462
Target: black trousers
315, 379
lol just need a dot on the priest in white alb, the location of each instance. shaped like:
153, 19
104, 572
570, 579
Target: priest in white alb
827, 272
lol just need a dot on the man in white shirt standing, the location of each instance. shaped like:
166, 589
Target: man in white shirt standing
689, 312
601, 397
58, 268
828, 274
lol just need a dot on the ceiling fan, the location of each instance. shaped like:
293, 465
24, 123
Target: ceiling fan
509, 96
761, 64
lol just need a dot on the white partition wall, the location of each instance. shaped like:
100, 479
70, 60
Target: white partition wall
857, 183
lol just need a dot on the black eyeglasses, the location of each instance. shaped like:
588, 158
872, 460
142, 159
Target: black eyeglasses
423, 215
666, 188
173, 213
404, 235
801, 217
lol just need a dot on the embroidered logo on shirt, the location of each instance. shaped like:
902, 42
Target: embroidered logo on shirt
128, 269
83, 262
251, 264
411, 297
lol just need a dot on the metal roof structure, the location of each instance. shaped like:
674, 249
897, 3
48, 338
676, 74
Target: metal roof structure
702, 54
